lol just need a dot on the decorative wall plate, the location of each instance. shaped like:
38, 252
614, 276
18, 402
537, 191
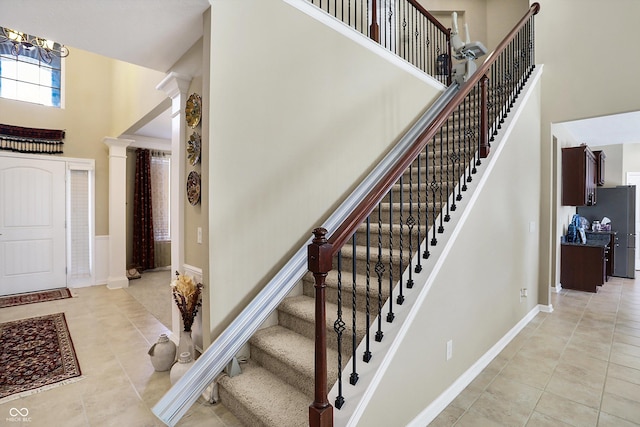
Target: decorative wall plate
193, 188
193, 110
193, 149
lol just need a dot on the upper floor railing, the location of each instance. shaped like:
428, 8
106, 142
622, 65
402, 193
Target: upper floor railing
402, 26
377, 249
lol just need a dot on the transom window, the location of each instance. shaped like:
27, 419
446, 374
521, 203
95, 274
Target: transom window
30, 68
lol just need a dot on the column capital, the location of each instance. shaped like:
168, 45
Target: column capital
174, 84
117, 146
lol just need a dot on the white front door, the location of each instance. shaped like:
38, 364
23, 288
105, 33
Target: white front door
32, 225
633, 178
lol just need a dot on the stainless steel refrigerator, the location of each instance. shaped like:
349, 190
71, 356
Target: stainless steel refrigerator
619, 205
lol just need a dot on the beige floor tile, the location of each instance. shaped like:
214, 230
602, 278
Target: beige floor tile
541, 420
621, 407
607, 420
467, 397
532, 372
586, 344
577, 384
624, 348
625, 330
625, 360
506, 402
624, 373
476, 420
447, 418
626, 339
624, 389
566, 410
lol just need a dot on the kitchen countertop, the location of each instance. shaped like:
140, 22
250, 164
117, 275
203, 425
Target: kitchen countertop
595, 244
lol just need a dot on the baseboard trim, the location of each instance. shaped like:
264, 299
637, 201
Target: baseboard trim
442, 401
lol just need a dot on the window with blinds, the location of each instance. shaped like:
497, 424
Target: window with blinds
79, 215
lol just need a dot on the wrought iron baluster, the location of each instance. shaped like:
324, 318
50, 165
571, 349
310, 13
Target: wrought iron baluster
436, 187
353, 378
448, 191
419, 264
339, 328
410, 224
390, 315
444, 188
400, 298
367, 353
379, 269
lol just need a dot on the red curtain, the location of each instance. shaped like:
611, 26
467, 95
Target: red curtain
143, 255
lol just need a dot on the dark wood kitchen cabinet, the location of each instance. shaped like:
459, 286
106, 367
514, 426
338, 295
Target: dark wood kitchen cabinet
582, 267
600, 156
578, 176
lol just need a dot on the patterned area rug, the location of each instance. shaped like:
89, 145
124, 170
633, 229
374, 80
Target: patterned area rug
36, 354
31, 297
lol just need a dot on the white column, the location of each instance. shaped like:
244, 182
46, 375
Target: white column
117, 212
176, 87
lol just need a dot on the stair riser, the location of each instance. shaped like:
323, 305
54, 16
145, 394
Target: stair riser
408, 240
303, 381
347, 295
307, 329
241, 412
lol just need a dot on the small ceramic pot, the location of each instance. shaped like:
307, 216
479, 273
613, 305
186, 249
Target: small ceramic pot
162, 353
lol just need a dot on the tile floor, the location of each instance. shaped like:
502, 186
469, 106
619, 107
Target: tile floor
579, 366
111, 332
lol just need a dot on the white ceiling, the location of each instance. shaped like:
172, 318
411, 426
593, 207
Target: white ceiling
606, 130
150, 33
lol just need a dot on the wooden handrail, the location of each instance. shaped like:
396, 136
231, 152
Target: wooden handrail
343, 233
429, 16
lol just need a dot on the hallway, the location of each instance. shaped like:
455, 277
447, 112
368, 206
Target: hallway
578, 366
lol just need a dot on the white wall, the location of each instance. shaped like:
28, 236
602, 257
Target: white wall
299, 113
475, 298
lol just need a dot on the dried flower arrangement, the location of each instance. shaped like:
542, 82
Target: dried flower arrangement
186, 294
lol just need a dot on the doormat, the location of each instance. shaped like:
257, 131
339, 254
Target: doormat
31, 297
36, 354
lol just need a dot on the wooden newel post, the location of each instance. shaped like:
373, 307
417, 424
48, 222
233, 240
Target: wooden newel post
484, 118
319, 263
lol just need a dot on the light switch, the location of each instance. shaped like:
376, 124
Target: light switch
199, 238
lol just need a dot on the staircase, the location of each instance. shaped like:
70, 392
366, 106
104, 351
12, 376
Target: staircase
280, 379
277, 382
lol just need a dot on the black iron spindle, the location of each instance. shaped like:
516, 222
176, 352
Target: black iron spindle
400, 297
367, 353
339, 327
353, 378
390, 315
379, 269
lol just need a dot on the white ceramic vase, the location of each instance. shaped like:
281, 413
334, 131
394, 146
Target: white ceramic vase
162, 353
185, 345
185, 361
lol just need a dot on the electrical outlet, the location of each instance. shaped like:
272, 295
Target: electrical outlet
449, 349
523, 294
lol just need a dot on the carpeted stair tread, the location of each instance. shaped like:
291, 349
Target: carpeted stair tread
259, 398
302, 308
279, 349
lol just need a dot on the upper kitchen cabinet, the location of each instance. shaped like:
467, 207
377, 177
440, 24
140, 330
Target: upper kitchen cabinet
579, 170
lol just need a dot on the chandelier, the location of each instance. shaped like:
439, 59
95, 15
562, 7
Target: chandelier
24, 44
